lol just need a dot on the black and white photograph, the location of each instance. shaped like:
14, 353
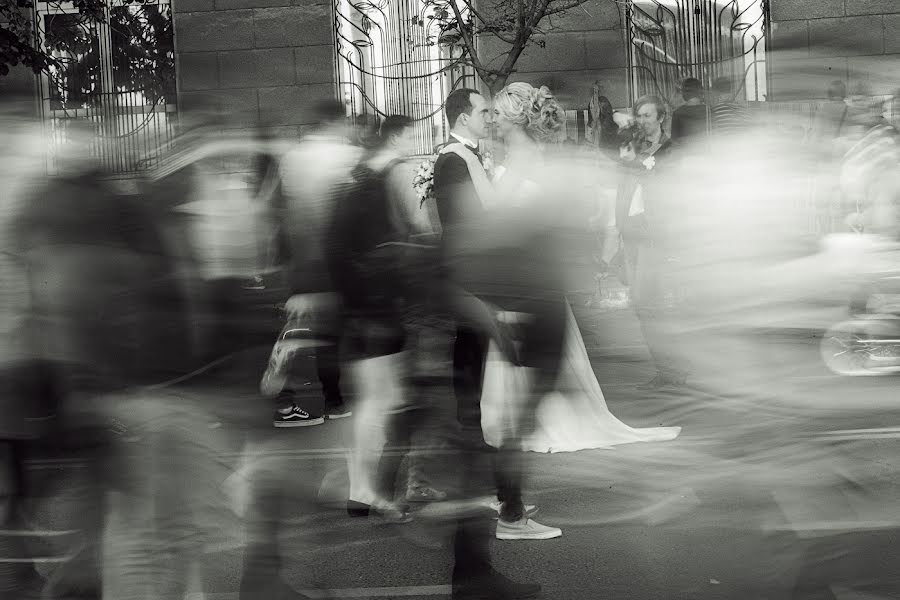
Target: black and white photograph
449, 299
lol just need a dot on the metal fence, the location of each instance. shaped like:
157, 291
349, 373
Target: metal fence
113, 85
671, 40
391, 61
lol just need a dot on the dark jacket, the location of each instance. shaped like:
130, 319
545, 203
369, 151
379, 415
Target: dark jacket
690, 123
364, 257
634, 174
455, 195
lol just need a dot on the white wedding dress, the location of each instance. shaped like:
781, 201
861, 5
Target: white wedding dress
575, 417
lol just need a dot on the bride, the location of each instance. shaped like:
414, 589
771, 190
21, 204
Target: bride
574, 416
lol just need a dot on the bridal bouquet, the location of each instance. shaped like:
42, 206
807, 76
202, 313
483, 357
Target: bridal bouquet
423, 180
487, 161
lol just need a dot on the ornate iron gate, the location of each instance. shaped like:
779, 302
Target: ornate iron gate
671, 40
115, 74
391, 60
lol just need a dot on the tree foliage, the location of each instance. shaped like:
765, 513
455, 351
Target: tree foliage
64, 44
19, 38
514, 22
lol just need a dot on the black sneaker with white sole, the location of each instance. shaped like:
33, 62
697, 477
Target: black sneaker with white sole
295, 416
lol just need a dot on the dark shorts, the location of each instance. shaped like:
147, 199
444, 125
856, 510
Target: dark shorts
29, 399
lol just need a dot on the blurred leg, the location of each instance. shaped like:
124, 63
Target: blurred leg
329, 371
472, 540
398, 439
469, 351
163, 480
15, 578
328, 358
658, 320
262, 554
379, 391
542, 348
279, 488
469, 354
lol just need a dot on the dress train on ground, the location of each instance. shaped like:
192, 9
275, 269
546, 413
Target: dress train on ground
573, 418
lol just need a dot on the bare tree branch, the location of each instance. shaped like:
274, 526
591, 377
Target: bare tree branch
541, 11
470, 5
497, 34
514, 22
467, 39
520, 20
563, 6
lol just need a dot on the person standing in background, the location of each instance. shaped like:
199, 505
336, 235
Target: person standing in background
728, 117
602, 122
643, 215
690, 121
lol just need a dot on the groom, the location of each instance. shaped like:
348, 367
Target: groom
459, 184
458, 204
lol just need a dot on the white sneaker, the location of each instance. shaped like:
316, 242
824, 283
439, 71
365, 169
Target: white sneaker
526, 529
496, 505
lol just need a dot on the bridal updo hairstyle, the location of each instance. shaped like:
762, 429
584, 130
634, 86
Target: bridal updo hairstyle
535, 109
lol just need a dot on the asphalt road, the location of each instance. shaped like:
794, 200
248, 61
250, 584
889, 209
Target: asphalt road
782, 486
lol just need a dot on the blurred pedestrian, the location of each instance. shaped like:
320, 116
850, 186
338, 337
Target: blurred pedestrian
29, 401
829, 125
108, 314
368, 235
312, 175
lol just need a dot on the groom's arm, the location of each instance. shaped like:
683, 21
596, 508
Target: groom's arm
454, 193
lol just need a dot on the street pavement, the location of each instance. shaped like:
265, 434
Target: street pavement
788, 490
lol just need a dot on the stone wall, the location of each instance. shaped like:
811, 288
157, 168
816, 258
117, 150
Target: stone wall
18, 92
258, 61
581, 46
815, 42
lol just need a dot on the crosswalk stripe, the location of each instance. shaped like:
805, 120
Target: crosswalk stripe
869, 436
859, 431
38, 532
386, 592
842, 593
880, 433
409, 591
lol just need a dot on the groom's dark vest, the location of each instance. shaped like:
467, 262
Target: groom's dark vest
455, 195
